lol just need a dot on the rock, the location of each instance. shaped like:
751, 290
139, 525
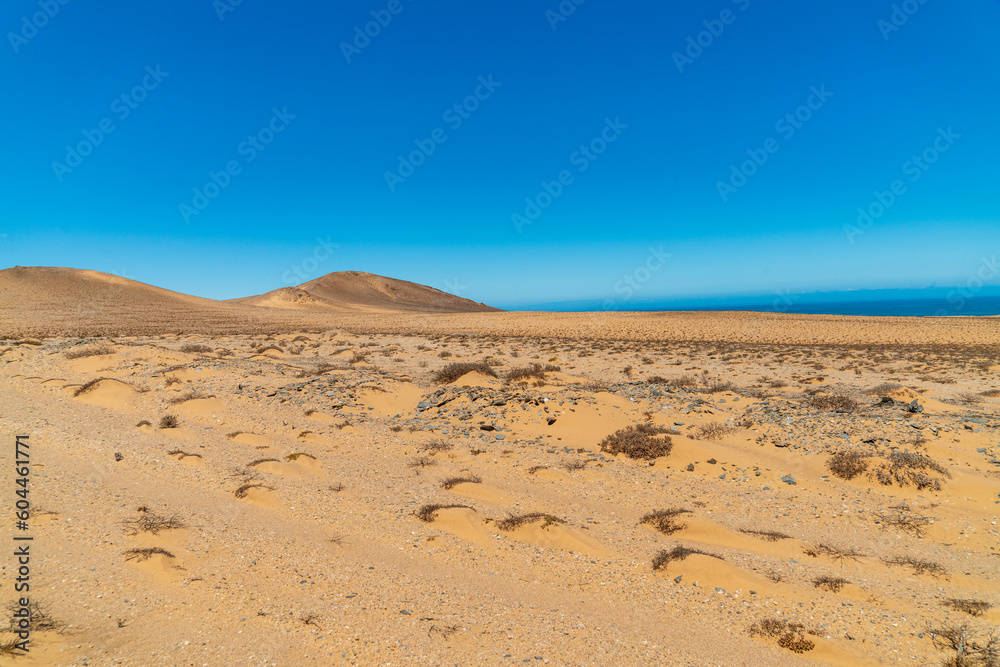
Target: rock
788, 479
690, 467
915, 407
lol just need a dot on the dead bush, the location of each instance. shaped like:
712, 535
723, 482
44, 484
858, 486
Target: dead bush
665, 521
452, 372
641, 441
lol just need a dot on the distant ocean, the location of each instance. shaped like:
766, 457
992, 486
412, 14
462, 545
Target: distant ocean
873, 303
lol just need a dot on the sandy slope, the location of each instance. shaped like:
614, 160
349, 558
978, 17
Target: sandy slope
301, 461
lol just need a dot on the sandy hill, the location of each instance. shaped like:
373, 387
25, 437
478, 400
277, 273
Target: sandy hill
357, 291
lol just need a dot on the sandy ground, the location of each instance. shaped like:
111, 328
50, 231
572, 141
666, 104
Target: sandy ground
302, 464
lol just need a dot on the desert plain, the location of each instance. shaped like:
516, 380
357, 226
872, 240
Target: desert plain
272, 483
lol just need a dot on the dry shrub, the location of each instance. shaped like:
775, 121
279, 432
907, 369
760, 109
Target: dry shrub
40, 619
714, 431
151, 522
849, 464
836, 553
883, 389
169, 421
788, 635
719, 386
532, 371
437, 446
246, 488
971, 607
665, 521
906, 468
146, 553
452, 482
919, 565
640, 441
832, 584
767, 535
427, 512
902, 518
970, 648
96, 351
832, 403
452, 372
515, 521
193, 348
664, 557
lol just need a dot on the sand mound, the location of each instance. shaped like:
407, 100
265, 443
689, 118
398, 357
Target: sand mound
106, 393
252, 439
356, 291
201, 407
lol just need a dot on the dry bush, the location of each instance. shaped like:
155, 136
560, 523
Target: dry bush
971, 607
902, 518
532, 371
515, 521
718, 386
257, 462
714, 431
452, 372
883, 389
246, 488
640, 441
533, 469
193, 348
428, 512
919, 565
991, 393
970, 648
665, 521
358, 356
169, 421
970, 397
906, 468
452, 482
96, 351
421, 462
190, 396
836, 553
849, 464
682, 381
664, 557
767, 535
151, 522
437, 446
145, 553
832, 403
788, 635
832, 584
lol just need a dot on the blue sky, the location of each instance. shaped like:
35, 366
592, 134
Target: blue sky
309, 128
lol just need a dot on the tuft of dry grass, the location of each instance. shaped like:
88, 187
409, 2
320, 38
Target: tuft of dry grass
714, 431
883, 389
639, 441
836, 553
665, 521
438, 446
832, 584
40, 619
971, 607
901, 518
427, 512
515, 521
151, 522
246, 488
664, 557
193, 348
95, 351
452, 372
533, 371
145, 553
452, 482
766, 535
919, 565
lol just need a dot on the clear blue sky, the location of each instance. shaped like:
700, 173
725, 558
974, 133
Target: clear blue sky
888, 93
